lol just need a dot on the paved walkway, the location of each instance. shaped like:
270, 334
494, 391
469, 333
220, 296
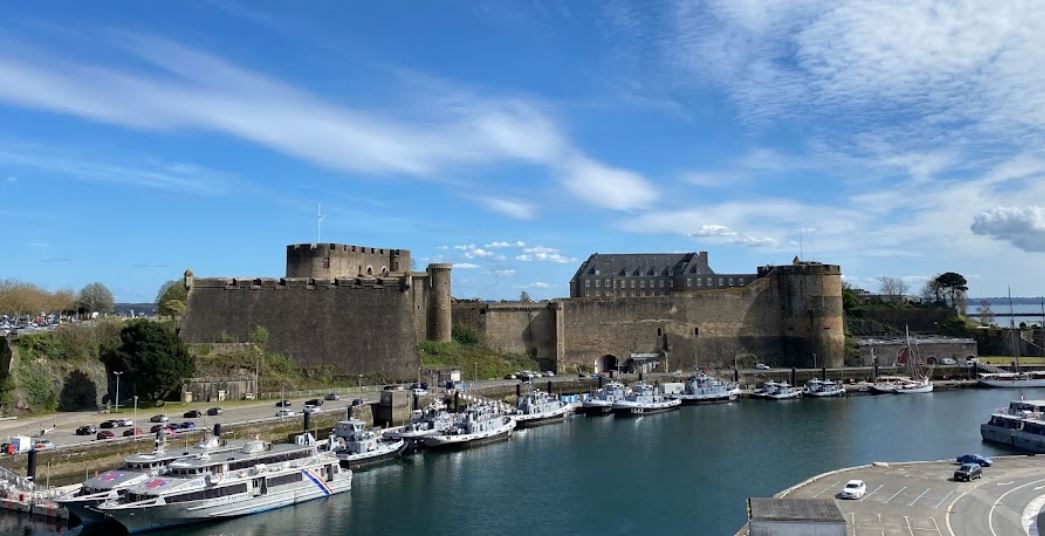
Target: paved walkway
920, 499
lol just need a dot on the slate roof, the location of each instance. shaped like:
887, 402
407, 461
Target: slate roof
632, 264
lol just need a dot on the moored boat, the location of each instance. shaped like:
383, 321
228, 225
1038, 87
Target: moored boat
643, 400
706, 389
601, 402
772, 390
923, 385
358, 448
537, 408
433, 419
1021, 426
818, 388
478, 425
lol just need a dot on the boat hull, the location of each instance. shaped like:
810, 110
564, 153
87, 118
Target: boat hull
465, 441
824, 394
596, 409
358, 463
557, 417
83, 509
699, 400
1012, 384
1013, 438
915, 390
784, 396
634, 410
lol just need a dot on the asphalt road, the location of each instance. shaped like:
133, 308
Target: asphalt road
920, 499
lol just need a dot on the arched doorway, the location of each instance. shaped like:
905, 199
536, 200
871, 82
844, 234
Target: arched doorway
605, 363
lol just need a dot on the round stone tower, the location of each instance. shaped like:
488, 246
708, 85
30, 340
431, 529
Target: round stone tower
440, 321
811, 301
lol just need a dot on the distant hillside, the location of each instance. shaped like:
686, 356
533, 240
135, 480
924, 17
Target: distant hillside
1005, 301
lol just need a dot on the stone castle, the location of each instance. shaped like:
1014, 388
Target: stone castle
359, 310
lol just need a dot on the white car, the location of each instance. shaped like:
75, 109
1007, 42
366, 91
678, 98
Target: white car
124, 422
854, 489
310, 409
419, 392
285, 413
948, 361
761, 366
549, 374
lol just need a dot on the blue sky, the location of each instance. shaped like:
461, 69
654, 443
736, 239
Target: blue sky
514, 139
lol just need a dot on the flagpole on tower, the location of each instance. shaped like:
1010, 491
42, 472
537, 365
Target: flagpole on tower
319, 223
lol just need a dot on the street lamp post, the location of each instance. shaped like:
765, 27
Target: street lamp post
117, 373
135, 416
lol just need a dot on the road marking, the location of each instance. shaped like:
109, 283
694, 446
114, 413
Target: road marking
894, 495
1030, 514
1005, 483
875, 490
909, 528
935, 524
819, 493
950, 507
949, 493
918, 497
990, 515
1036, 488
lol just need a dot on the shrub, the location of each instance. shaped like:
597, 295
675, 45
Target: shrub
465, 335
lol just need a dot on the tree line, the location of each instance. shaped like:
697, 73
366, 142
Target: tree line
21, 298
947, 288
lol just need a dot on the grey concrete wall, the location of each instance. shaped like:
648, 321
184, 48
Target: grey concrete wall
353, 326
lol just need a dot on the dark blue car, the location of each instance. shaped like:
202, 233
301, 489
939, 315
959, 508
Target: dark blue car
977, 459
187, 425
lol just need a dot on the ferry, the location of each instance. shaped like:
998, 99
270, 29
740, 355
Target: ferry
772, 390
136, 469
478, 425
433, 419
258, 477
644, 399
601, 403
705, 389
357, 448
818, 388
1021, 426
537, 408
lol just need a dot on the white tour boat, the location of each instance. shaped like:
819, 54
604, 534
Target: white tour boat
1021, 426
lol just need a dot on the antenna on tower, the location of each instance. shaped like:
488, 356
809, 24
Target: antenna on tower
801, 243
319, 223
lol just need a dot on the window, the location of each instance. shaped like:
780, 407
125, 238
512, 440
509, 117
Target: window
596, 271
731, 281
700, 281
598, 282
689, 282
598, 293
284, 479
671, 283
696, 331
660, 332
326, 262
740, 281
609, 284
587, 283
642, 284
623, 284
661, 283
586, 293
720, 281
633, 285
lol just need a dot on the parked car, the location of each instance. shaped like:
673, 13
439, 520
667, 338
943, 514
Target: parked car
86, 430
42, 444
124, 422
169, 433
283, 404
419, 392
285, 413
968, 472
394, 388
314, 402
761, 366
358, 402
105, 434
108, 424
159, 418
854, 489
332, 396
509, 376
526, 375
214, 411
193, 414
948, 361
187, 425
157, 427
312, 409
977, 459
133, 432
549, 374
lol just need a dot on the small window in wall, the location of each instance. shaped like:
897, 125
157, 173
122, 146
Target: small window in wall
660, 332
642, 284
598, 293
731, 281
587, 283
596, 271
700, 281
740, 281
661, 283
633, 284
384, 270
720, 282
326, 262
671, 283
696, 332
689, 282
609, 284
369, 270
586, 293
623, 284
598, 283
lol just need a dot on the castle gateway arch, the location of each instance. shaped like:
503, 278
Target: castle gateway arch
605, 363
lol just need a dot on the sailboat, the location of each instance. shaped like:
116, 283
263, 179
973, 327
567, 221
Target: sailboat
1016, 379
920, 382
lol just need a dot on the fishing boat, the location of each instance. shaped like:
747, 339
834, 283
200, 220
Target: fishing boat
818, 388
478, 425
538, 408
601, 402
433, 419
258, 477
706, 389
136, 469
1021, 426
358, 448
772, 390
643, 400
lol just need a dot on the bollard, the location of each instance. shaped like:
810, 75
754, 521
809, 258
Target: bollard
518, 390
549, 387
794, 376
349, 411
308, 421
217, 430
457, 402
30, 471
736, 376
823, 373
600, 381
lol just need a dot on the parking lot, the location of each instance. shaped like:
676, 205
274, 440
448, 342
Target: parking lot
921, 499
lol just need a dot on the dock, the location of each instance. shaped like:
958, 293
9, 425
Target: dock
922, 499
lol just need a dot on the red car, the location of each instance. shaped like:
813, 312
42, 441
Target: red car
133, 432
105, 434
167, 430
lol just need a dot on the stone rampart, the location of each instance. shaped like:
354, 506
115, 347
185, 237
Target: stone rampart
518, 328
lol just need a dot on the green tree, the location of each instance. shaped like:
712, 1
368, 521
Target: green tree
525, 297
154, 359
95, 297
953, 287
170, 292
172, 308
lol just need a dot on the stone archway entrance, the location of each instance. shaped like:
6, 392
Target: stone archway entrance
605, 363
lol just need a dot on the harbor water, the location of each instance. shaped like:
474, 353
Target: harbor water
683, 472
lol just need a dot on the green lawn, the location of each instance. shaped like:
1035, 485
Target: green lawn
1007, 360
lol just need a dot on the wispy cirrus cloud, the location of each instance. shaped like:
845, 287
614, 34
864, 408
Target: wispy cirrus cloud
544, 254
188, 89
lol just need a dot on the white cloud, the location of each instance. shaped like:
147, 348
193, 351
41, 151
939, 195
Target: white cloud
541, 284
1023, 227
504, 272
724, 235
39, 244
519, 210
465, 266
11, 178
186, 89
543, 254
505, 244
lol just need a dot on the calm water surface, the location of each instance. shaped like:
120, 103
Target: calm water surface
686, 472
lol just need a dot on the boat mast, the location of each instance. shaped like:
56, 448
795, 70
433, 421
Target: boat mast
1012, 332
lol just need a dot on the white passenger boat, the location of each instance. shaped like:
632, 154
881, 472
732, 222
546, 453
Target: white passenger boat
539, 407
601, 402
357, 448
923, 385
1012, 380
136, 469
772, 390
818, 388
1021, 426
643, 400
705, 389
258, 477
433, 419
478, 425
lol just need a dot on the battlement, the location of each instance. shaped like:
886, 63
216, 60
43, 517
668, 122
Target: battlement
801, 268
271, 283
343, 248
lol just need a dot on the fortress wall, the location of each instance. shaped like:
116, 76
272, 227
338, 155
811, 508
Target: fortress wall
518, 328
329, 261
362, 326
419, 286
809, 297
